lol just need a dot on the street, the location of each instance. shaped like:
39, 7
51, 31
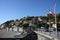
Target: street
13, 34
7, 34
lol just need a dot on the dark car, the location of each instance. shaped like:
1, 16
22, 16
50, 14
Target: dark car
31, 36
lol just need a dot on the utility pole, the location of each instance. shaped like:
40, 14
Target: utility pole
55, 18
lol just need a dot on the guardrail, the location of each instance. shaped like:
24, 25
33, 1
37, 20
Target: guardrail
42, 36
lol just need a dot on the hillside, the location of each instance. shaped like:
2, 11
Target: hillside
33, 19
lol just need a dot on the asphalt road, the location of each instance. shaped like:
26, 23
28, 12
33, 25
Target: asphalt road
8, 34
11, 34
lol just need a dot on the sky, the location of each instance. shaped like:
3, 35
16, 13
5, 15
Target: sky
16, 9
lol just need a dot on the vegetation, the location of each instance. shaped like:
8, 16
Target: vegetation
34, 20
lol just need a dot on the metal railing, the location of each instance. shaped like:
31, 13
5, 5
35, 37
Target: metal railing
42, 36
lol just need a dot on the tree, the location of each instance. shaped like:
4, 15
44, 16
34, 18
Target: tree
58, 17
